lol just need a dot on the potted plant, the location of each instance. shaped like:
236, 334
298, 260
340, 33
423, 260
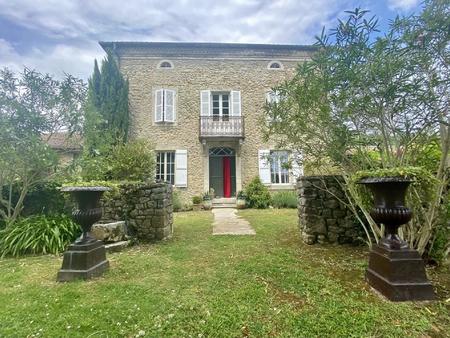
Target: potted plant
196, 203
207, 201
241, 201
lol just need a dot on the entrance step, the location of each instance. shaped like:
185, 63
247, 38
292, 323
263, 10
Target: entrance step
224, 203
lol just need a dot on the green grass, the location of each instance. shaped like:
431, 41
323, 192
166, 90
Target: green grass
203, 286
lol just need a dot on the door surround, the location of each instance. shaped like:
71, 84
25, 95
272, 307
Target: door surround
222, 171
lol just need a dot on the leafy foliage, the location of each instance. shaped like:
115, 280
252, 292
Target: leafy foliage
258, 195
285, 199
176, 201
107, 113
241, 195
33, 107
368, 101
197, 199
132, 161
38, 235
44, 198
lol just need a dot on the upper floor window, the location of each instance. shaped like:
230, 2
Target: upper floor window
219, 104
279, 166
275, 65
165, 64
164, 105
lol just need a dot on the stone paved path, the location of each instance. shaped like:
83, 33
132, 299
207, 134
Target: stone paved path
226, 222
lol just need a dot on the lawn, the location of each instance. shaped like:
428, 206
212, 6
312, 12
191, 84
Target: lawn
198, 285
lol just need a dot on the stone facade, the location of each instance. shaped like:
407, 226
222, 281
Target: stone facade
146, 208
323, 217
199, 67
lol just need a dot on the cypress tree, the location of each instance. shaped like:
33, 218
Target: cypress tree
108, 103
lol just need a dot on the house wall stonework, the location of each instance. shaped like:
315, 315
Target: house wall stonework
188, 78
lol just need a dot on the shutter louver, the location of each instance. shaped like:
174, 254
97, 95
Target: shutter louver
159, 105
205, 98
264, 166
169, 106
181, 168
236, 103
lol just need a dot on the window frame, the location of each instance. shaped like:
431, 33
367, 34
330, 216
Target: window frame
169, 166
271, 63
220, 115
160, 64
281, 172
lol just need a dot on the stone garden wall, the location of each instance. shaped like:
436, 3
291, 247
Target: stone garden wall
322, 215
145, 207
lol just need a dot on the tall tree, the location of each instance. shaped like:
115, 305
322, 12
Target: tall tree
107, 109
33, 107
363, 102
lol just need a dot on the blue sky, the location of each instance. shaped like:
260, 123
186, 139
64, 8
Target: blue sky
58, 36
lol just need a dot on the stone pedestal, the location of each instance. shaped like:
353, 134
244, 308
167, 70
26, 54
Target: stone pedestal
398, 274
83, 261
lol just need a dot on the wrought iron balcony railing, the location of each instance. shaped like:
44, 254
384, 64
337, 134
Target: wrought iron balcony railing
222, 126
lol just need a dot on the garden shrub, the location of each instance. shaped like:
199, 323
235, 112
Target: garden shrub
285, 199
197, 199
134, 161
176, 201
440, 248
40, 234
258, 195
45, 198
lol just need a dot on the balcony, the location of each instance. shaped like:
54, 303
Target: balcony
221, 127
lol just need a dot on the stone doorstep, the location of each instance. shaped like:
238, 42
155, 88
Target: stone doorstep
229, 206
224, 200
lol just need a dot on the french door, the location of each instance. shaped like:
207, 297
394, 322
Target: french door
221, 106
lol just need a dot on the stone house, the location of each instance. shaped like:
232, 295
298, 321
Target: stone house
68, 147
202, 105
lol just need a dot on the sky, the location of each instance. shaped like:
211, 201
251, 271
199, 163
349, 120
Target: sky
61, 36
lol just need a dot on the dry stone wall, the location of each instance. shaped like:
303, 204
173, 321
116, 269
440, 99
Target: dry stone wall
146, 208
323, 217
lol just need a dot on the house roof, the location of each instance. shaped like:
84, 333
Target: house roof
206, 49
63, 141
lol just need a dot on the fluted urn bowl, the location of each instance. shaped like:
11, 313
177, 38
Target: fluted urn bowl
88, 211
389, 207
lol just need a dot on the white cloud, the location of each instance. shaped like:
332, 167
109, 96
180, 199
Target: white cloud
56, 60
403, 5
74, 27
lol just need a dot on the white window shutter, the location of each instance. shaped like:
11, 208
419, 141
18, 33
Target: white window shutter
235, 103
181, 168
264, 166
273, 97
159, 105
297, 168
169, 105
205, 101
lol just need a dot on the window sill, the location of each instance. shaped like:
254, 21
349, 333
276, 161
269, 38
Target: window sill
281, 186
165, 123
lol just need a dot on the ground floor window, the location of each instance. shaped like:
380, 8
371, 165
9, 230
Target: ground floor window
279, 172
165, 166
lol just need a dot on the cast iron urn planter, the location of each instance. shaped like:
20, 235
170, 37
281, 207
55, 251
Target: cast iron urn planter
86, 257
395, 270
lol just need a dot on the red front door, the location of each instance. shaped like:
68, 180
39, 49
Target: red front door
226, 176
